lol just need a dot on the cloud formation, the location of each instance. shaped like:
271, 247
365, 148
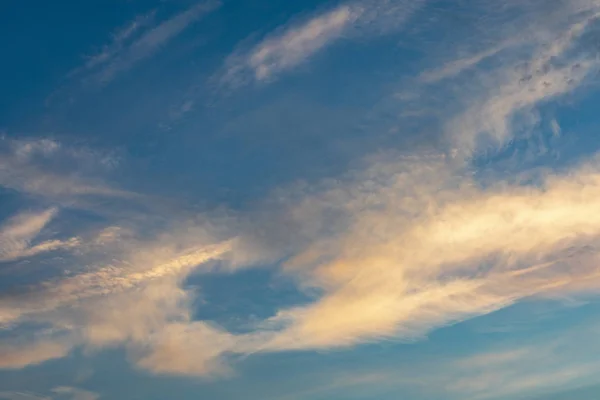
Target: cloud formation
415, 256
17, 234
129, 291
44, 167
521, 73
296, 42
75, 393
138, 41
406, 245
19, 355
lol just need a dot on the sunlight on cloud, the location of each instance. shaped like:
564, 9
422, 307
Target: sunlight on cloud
19, 355
402, 246
295, 44
416, 260
37, 167
188, 349
17, 234
143, 264
127, 302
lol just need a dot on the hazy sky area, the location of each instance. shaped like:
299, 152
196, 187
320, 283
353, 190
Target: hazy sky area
300, 200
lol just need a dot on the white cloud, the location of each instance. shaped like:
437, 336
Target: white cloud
419, 246
127, 298
188, 349
18, 233
295, 43
299, 43
548, 64
403, 247
44, 167
410, 256
142, 264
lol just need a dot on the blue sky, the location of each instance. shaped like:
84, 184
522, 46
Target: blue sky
369, 199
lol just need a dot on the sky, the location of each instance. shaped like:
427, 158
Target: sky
299, 200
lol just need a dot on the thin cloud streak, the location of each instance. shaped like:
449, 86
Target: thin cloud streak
133, 44
17, 234
76, 393
295, 43
553, 67
278, 53
35, 167
19, 355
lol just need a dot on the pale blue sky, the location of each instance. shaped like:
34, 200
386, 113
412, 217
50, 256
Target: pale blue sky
317, 200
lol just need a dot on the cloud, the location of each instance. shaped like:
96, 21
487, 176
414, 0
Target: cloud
120, 40
456, 67
406, 245
284, 51
295, 43
44, 167
411, 256
60, 392
19, 355
134, 43
418, 245
530, 366
129, 297
17, 234
26, 149
526, 368
142, 263
75, 393
22, 396
188, 349
549, 63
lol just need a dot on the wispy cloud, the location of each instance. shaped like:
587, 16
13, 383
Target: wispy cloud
406, 245
295, 45
120, 40
43, 167
541, 367
17, 234
461, 65
137, 41
296, 42
22, 396
75, 393
131, 289
19, 355
60, 392
525, 72
408, 261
